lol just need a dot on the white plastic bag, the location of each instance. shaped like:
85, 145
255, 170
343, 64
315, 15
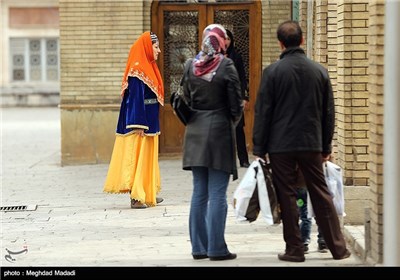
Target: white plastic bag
334, 181
244, 192
254, 195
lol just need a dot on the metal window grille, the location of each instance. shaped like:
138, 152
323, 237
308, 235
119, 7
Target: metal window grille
18, 208
34, 59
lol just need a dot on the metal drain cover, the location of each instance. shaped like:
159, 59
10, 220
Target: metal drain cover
18, 208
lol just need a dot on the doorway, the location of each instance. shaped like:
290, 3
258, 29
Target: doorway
179, 27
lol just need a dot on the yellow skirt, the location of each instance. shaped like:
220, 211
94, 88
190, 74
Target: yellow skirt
134, 168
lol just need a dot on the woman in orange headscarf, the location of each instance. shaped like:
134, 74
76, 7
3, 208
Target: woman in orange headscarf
134, 165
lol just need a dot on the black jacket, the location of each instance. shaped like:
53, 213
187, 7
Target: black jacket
294, 110
210, 134
239, 65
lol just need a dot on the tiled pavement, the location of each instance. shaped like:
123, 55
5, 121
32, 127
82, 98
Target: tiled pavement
76, 224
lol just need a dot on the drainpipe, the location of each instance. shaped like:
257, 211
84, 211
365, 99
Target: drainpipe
391, 187
310, 27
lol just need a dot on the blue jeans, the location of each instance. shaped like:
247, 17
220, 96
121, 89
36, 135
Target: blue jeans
305, 222
208, 211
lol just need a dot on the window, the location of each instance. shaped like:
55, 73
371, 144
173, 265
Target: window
34, 59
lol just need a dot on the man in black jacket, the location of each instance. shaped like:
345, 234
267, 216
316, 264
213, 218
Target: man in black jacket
294, 124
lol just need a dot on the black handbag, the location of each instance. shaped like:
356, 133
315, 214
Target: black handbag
178, 101
181, 107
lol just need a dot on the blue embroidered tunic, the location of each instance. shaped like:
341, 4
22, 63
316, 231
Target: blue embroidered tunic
139, 109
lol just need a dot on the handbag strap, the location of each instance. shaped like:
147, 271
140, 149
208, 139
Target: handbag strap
186, 71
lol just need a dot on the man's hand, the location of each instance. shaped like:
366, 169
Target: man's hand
245, 104
326, 156
261, 159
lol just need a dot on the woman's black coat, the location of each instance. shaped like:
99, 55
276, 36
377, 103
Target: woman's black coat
210, 134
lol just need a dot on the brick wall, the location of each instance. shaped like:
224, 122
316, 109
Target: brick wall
321, 35
352, 95
331, 29
95, 38
303, 21
340, 42
375, 89
273, 13
348, 39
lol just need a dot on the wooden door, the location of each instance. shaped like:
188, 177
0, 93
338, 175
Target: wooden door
179, 28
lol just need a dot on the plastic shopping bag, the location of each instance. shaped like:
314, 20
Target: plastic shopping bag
334, 181
256, 194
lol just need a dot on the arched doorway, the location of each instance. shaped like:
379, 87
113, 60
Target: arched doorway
179, 27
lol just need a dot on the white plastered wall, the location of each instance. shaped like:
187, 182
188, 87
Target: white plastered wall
6, 33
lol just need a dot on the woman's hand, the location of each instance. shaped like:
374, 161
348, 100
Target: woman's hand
139, 131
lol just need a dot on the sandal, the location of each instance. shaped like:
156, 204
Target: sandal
136, 204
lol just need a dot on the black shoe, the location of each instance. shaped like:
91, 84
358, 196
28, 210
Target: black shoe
289, 258
305, 248
159, 200
322, 248
230, 256
345, 256
199, 257
244, 164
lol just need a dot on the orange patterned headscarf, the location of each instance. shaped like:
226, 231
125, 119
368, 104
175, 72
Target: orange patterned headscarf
142, 65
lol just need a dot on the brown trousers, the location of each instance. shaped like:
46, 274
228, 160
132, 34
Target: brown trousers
285, 177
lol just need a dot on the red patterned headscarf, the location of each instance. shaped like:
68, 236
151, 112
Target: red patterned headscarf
142, 65
212, 49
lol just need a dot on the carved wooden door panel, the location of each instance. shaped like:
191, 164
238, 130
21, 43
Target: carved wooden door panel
179, 28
